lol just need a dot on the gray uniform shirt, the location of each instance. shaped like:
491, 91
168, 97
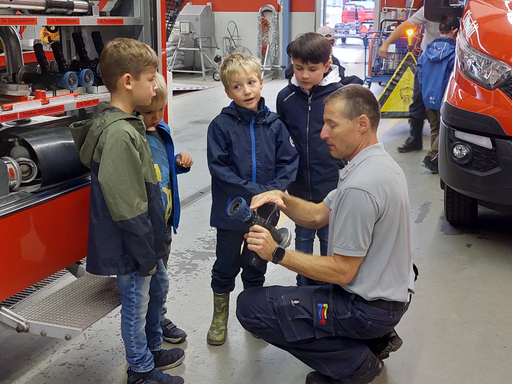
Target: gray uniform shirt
370, 218
431, 28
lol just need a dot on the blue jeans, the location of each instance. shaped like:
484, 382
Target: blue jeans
325, 327
304, 239
142, 299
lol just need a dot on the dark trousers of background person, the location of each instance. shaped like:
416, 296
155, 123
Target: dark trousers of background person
416, 117
304, 240
230, 259
325, 327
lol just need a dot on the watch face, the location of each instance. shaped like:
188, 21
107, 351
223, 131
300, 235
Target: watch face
278, 254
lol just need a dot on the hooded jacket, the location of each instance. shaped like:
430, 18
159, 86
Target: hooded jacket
248, 153
434, 68
126, 224
165, 132
302, 112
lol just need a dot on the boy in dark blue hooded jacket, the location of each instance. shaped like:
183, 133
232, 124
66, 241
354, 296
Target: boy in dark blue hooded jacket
249, 151
300, 106
434, 68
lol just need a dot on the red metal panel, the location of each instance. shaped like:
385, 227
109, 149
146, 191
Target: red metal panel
39, 241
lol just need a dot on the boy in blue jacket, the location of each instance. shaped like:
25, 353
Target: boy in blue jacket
249, 151
434, 68
167, 167
301, 108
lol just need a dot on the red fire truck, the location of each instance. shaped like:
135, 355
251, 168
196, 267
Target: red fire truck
356, 20
49, 80
475, 139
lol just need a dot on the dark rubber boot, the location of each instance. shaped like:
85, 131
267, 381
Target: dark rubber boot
415, 141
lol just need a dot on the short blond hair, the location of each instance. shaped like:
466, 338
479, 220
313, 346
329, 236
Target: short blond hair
123, 55
161, 90
237, 62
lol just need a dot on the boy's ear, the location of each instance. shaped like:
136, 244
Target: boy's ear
261, 84
327, 66
126, 81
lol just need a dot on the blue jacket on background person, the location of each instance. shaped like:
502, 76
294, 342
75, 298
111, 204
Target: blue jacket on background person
165, 132
434, 68
248, 153
303, 115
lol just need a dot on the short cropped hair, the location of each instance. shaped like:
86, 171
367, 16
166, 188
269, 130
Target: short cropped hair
355, 101
123, 55
448, 24
161, 92
311, 48
237, 62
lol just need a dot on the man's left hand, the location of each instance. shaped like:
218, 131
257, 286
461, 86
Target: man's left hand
260, 241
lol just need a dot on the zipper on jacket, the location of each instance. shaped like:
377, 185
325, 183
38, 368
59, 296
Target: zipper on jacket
307, 148
253, 148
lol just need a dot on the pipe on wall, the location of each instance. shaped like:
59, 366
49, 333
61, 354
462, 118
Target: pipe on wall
12, 49
286, 33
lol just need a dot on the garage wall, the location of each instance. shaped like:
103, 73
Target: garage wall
245, 14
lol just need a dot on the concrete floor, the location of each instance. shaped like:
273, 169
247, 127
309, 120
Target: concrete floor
456, 331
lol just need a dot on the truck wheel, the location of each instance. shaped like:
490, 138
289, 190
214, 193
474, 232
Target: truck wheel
459, 209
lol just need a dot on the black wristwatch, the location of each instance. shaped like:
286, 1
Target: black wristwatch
278, 254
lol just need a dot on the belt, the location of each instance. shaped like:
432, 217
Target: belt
382, 304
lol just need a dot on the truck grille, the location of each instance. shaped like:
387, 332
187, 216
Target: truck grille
483, 159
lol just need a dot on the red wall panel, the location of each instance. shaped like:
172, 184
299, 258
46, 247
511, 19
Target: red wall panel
255, 5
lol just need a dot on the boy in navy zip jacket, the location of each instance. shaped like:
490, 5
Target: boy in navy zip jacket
249, 151
301, 107
434, 68
167, 167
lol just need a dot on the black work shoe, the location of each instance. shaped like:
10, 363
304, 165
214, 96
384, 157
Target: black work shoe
171, 333
366, 373
166, 359
411, 144
383, 346
152, 377
430, 164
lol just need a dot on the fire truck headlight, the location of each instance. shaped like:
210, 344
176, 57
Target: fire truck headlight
462, 153
483, 69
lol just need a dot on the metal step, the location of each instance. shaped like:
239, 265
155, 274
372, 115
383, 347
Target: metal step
68, 311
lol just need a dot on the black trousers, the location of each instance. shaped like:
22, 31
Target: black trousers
230, 259
325, 327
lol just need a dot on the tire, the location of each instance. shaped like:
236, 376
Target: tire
216, 76
459, 209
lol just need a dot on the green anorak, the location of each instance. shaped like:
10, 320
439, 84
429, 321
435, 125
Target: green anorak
126, 225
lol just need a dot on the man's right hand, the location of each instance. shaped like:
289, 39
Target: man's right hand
383, 51
268, 197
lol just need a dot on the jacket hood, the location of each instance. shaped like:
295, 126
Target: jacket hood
333, 76
440, 48
86, 133
246, 115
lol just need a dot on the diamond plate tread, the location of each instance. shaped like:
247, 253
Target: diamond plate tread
77, 305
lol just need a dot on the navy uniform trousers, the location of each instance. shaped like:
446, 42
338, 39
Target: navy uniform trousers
325, 327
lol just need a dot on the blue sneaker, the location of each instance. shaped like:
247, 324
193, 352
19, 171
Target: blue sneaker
152, 377
167, 359
171, 333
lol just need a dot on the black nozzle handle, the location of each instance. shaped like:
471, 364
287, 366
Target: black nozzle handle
98, 42
80, 47
41, 58
59, 57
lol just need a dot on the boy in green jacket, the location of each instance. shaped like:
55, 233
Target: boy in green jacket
126, 226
